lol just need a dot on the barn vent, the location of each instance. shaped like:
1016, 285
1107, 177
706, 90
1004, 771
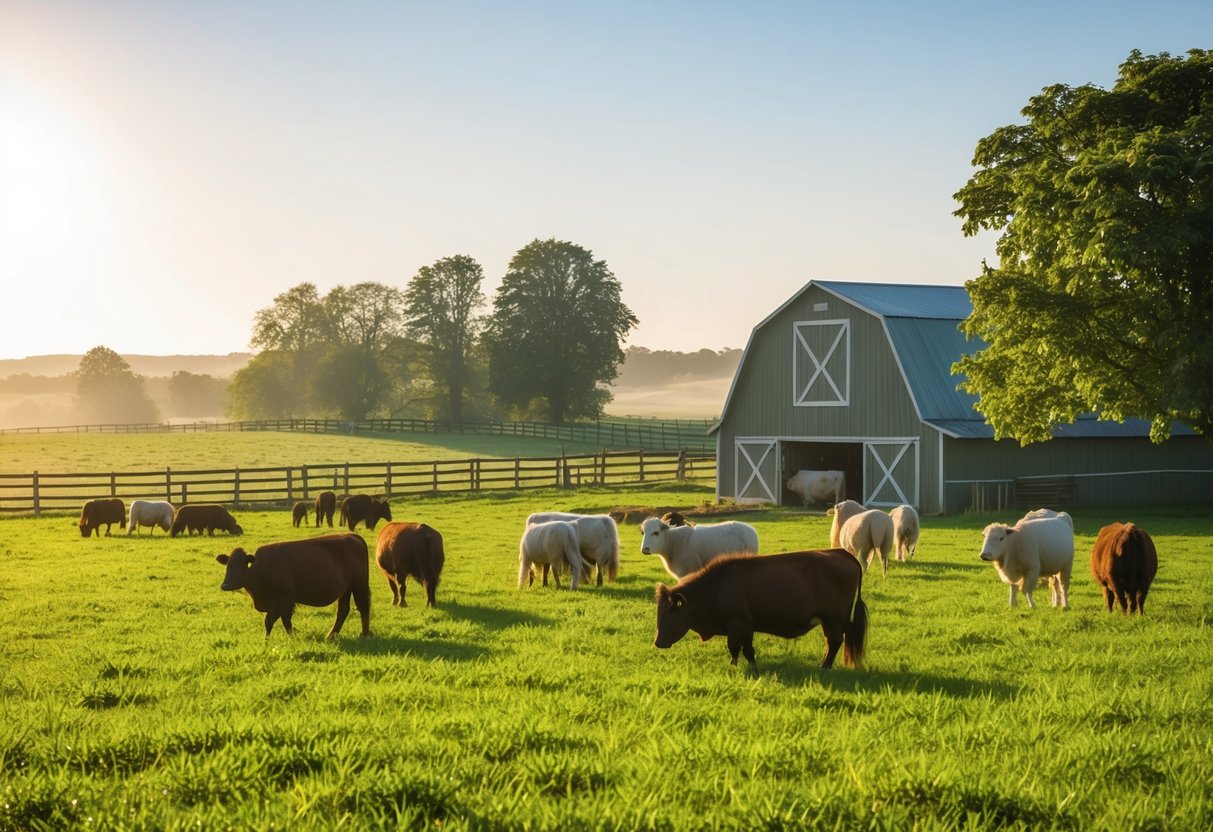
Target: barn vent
820, 307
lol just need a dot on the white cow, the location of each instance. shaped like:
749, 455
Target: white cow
866, 535
905, 531
819, 486
686, 549
1047, 513
598, 536
841, 512
150, 513
552, 544
1030, 550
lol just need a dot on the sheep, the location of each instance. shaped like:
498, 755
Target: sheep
841, 512
867, 534
685, 549
905, 531
552, 544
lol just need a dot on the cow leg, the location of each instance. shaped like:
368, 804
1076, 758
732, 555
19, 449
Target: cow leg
343, 610
431, 588
834, 635
400, 576
1108, 597
1014, 591
362, 599
391, 584
1122, 598
547, 567
741, 640
273, 615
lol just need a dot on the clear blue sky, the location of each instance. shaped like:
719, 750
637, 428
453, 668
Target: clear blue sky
167, 168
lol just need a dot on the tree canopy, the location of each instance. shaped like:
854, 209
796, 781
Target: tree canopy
555, 330
1102, 300
109, 392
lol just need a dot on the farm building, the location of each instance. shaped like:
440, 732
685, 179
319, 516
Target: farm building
857, 377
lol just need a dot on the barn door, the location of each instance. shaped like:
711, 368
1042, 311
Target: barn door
821, 358
890, 473
756, 471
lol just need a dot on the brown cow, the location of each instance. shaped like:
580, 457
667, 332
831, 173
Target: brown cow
316, 571
410, 549
204, 517
363, 507
673, 518
785, 595
1124, 562
103, 512
326, 504
299, 514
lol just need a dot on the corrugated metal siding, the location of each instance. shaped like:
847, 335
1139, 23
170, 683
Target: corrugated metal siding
928, 349
905, 301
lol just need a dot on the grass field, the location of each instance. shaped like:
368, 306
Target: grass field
137, 695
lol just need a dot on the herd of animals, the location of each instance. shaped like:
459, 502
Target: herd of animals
724, 587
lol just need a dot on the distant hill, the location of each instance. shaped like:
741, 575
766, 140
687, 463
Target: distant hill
219, 366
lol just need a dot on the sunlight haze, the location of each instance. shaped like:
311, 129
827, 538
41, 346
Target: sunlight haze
167, 169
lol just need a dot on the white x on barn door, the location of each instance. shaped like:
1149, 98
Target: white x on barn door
755, 471
821, 359
890, 473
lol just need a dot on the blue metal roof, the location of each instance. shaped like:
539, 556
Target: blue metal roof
892, 300
1086, 427
927, 348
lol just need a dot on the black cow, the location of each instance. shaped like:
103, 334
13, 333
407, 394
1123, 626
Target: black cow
103, 512
358, 508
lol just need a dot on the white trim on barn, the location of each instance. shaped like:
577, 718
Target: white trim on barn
884, 460
829, 392
764, 451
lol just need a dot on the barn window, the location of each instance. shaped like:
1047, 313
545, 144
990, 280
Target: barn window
820, 307
821, 363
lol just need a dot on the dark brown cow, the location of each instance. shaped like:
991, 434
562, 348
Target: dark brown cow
358, 508
785, 595
299, 514
103, 512
315, 572
410, 550
1124, 562
673, 518
204, 517
326, 505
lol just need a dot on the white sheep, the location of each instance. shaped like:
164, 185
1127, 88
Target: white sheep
867, 534
552, 544
1031, 550
905, 531
686, 549
841, 512
150, 513
598, 537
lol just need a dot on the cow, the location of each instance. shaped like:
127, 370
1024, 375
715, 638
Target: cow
316, 572
554, 544
597, 536
686, 549
1124, 563
785, 595
1030, 550
1046, 514
299, 514
840, 514
358, 508
326, 505
410, 549
673, 518
151, 513
102, 512
819, 486
866, 535
906, 529
204, 517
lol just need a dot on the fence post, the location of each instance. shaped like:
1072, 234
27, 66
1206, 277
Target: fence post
290, 491
346, 478
168, 486
37, 497
113, 484
682, 464
387, 483
185, 497
305, 490
435, 477
517, 465
642, 464
566, 480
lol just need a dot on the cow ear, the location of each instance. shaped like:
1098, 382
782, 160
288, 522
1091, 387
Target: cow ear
251, 560
678, 600
222, 558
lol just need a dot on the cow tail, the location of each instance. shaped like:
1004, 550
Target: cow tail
855, 634
612, 563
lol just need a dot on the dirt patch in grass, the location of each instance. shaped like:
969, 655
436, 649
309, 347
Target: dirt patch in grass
696, 514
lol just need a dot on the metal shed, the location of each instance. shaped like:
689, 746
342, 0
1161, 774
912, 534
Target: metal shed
857, 377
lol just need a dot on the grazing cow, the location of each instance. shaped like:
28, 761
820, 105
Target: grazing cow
1030, 550
410, 549
1047, 514
841, 513
785, 595
326, 505
358, 508
819, 486
204, 517
866, 535
1124, 562
316, 572
673, 518
299, 514
150, 513
597, 536
686, 549
554, 544
905, 531
103, 512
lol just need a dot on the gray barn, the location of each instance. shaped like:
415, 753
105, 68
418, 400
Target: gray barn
857, 377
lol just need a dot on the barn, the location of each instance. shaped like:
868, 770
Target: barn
857, 377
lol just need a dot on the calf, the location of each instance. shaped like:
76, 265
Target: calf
103, 512
204, 517
906, 529
1031, 550
358, 508
785, 595
316, 572
299, 514
866, 535
410, 549
326, 505
1124, 562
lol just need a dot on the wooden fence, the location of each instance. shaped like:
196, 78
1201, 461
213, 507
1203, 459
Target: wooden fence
657, 434
249, 487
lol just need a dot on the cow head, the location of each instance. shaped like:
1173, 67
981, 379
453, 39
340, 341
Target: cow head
997, 542
380, 510
85, 529
238, 564
673, 518
673, 618
653, 533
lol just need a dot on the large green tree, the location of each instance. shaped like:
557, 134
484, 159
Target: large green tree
555, 331
440, 308
1102, 300
109, 392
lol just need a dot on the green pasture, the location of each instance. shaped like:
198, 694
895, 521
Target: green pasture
137, 695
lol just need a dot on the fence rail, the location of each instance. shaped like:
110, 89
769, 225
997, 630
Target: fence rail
249, 487
659, 434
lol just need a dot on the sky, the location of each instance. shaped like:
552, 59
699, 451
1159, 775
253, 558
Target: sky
168, 168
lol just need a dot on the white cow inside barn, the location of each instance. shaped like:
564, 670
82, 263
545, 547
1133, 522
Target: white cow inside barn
818, 486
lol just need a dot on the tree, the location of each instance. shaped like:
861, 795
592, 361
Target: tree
108, 392
350, 381
1103, 297
264, 388
195, 395
440, 305
555, 330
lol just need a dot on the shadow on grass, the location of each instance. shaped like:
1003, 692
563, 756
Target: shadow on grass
846, 680
492, 618
423, 648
